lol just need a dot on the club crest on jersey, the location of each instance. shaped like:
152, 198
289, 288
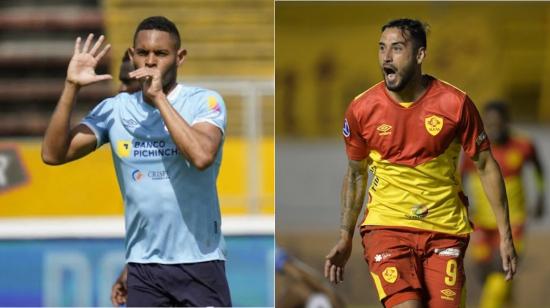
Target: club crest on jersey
346, 131
390, 274
433, 124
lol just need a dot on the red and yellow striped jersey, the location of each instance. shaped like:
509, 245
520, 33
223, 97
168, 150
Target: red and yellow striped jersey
413, 155
512, 157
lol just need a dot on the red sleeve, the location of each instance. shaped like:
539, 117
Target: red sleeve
471, 132
466, 164
356, 145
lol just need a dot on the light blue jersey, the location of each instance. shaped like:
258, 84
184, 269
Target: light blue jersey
172, 209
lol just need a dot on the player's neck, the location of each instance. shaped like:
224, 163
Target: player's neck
414, 89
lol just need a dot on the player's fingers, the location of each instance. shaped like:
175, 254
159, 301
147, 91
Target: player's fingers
327, 268
77, 45
103, 77
338, 274
507, 267
137, 73
87, 43
140, 73
114, 299
97, 45
103, 52
333, 273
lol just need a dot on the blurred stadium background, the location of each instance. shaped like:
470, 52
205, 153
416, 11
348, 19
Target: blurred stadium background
326, 54
61, 228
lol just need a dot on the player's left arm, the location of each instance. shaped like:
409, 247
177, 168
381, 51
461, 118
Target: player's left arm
493, 184
198, 143
539, 178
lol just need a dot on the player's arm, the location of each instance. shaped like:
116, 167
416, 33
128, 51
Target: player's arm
61, 143
352, 198
493, 184
198, 143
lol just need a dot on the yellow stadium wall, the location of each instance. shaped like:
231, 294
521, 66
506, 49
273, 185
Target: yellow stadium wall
326, 54
88, 187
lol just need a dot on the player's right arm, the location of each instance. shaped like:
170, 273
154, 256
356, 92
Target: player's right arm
61, 143
352, 198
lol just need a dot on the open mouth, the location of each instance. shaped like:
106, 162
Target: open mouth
391, 73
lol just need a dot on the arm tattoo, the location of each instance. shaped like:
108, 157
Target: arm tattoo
353, 194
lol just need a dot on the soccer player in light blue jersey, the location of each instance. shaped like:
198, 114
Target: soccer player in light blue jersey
166, 142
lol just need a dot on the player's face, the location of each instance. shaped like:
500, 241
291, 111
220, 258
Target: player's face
398, 58
495, 126
157, 49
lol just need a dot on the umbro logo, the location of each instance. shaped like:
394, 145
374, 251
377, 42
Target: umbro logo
448, 294
384, 129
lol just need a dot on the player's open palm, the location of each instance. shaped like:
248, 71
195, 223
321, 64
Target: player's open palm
336, 260
81, 69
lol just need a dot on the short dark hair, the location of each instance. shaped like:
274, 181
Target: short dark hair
159, 23
498, 106
417, 30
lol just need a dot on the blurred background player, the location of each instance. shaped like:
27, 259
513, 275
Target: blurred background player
127, 84
302, 286
513, 152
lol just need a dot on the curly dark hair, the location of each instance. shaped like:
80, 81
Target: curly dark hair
414, 28
159, 23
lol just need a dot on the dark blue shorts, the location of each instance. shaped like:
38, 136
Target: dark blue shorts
185, 285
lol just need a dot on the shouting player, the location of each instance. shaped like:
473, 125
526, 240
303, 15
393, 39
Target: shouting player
167, 144
408, 131
513, 152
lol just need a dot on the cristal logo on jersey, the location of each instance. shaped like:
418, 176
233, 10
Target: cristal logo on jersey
433, 124
384, 129
346, 130
213, 104
137, 175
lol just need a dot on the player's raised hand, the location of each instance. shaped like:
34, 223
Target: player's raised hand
336, 260
81, 69
151, 81
509, 257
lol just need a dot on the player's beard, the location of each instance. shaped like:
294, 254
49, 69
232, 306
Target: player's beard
404, 76
169, 78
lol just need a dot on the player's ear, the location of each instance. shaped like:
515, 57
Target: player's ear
420, 55
181, 56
